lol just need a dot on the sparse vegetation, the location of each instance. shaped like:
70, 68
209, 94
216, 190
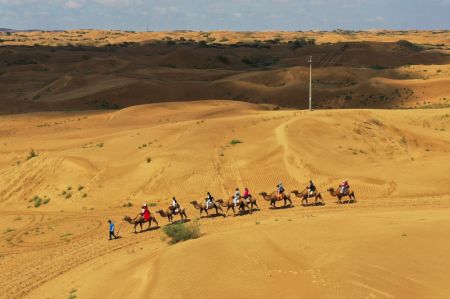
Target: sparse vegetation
181, 232
127, 205
9, 230
235, 141
32, 154
148, 159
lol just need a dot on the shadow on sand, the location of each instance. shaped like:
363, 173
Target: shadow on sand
282, 207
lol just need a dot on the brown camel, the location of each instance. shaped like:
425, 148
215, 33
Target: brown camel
305, 194
229, 204
252, 201
202, 207
273, 198
139, 219
169, 213
350, 193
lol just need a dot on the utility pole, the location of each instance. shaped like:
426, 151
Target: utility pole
310, 82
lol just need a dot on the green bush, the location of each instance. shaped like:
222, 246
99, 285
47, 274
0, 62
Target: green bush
181, 232
128, 204
37, 201
235, 141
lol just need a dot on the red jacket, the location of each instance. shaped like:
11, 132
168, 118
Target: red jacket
146, 214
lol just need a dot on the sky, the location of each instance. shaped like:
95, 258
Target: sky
242, 15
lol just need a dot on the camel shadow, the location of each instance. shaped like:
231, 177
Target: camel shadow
312, 204
212, 215
346, 202
147, 230
282, 207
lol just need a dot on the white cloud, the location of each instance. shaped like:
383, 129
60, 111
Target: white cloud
74, 4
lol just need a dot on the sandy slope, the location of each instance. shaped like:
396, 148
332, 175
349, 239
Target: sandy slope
88, 70
391, 243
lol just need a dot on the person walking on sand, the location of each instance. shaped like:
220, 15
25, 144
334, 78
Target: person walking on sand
111, 230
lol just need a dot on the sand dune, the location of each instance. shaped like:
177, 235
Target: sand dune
89, 70
392, 243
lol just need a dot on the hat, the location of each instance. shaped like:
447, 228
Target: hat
144, 205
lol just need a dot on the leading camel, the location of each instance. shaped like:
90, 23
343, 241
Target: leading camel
169, 213
202, 207
273, 198
350, 193
139, 219
305, 194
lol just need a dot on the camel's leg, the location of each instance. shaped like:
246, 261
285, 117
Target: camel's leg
135, 227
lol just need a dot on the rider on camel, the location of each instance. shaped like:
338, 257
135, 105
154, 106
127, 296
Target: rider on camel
209, 200
311, 188
344, 186
175, 204
246, 193
145, 212
237, 196
280, 190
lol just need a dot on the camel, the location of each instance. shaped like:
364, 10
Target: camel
305, 194
169, 213
202, 207
139, 219
252, 201
350, 193
273, 198
229, 204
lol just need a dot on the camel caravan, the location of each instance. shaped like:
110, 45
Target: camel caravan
241, 204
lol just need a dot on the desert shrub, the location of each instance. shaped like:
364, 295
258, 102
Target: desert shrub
299, 43
127, 205
378, 67
152, 204
46, 201
148, 159
37, 201
260, 61
182, 232
8, 230
80, 188
32, 154
235, 141
223, 59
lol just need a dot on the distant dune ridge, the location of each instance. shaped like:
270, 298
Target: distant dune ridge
93, 69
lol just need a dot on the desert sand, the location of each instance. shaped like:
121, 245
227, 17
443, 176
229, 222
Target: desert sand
92, 69
87, 166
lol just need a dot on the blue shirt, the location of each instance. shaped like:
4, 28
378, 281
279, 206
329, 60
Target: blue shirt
111, 227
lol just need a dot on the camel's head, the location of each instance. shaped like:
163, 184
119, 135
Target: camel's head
330, 189
159, 211
127, 218
263, 193
193, 202
220, 200
294, 191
